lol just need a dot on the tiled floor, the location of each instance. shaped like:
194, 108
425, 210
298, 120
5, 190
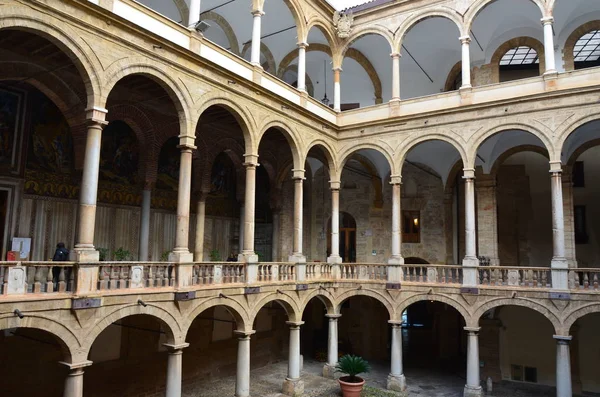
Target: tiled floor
267, 381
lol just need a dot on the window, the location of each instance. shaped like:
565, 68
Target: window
578, 174
520, 373
411, 227
519, 63
531, 374
581, 236
586, 52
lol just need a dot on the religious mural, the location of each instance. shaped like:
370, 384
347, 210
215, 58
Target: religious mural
119, 156
168, 165
221, 200
11, 116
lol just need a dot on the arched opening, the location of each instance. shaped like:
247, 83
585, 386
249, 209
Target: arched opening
32, 362
514, 214
318, 66
411, 260
430, 49
315, 333
586, 52
132, 354
432, 200
434, 342
519, 63
517, 351
347, 237
574, 24
585, 354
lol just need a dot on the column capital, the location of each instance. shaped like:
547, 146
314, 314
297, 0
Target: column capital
174, 348
257, 13
468, 173
302, 45
298, 174
396, 55
472, 330
562, 339
465, 39
547, 20
333, 316
395, 323
186, 142
555, 167
244, 334
335, 185
79, 365
395, 179
96, 115
337, 69
295, 324
250, 160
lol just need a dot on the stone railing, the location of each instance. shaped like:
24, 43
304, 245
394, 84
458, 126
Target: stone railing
21, 278
526, 277
584, 279
432, 274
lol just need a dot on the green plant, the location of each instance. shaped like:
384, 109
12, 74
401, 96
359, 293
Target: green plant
122, 254
103, 253
215, 255
165, 256
352, 366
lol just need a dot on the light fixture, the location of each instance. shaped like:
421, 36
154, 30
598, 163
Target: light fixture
416, 221
18, 313
325, 100
201, 26
141, 302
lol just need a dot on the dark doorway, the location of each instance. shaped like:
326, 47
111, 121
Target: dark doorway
347, 237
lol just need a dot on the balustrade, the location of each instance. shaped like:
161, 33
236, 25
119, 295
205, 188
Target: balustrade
434, 274
528, 277
584, 279
318, 271
36, 277
363, 271
122, 275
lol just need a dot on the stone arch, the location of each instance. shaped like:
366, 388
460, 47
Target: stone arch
352, 53
349, 150
436, 298
418, 139
326, 149
480, 5
184, 11
15, 17
325, 28
441, 12
539, 131
290, 135
575, 315
234, 44
452, 76
580, 150
376, 30
522, 302
286, 301
69, 342
173, 328
242, 116
566, 130
324, 296
377, 295
204, 162
512, 43
569, 47
310, 88
156, 72
266, 51
237, 311
523, 148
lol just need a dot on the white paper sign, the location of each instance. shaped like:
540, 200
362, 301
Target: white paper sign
23, 245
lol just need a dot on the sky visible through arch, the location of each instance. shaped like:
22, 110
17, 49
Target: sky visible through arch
342, 4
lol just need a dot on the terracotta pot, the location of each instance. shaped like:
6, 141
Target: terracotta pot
351, 389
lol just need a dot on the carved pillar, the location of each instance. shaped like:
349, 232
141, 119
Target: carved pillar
181, 252
547, 22
337, 91
302, 66
466, 61
255, 54
395, 76
470, 261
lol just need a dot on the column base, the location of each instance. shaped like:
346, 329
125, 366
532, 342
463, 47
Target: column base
560, 274
329, 371
470, 272
181, 257
297, 258
334, 259
248, 257
84, 255
293, 387
396, 383
471, 391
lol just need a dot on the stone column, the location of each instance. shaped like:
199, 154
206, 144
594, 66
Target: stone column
248, 254
332, 346
395, 76
563, 366
396, 260
396, 380
334, 256
297, 255
487, 218
145, 223
473, 387
74, 380
466, 61
194, 15
255, 54
181, 252
302, 66
242, 381
337, 92
275, 238
559, 262
569, 218
200, 220
174, 369
84, 248
549, 45
470, 262
242, 218
293, 386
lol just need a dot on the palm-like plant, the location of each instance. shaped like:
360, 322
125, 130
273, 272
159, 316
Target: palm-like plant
352, 365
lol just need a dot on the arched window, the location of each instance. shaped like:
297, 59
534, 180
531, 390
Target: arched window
519, 63
586, 52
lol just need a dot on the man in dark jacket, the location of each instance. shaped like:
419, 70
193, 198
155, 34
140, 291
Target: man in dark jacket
60, 255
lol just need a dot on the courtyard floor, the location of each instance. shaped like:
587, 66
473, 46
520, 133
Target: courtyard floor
267, 381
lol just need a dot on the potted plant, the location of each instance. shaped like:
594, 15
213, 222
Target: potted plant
351, 365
